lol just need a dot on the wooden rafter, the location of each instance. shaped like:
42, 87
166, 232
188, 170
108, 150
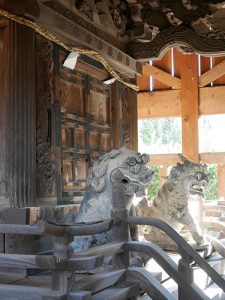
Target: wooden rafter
212, 74
161, 76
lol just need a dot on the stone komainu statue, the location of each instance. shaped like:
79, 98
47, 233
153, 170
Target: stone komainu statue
184, 182
123, 164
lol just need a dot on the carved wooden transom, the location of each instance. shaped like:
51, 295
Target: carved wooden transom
146, 27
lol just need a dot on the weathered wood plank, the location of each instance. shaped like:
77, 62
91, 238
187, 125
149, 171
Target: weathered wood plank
108, 249
118, 292
27, 261
56, 213
189, 106
162, 76
212, 74
148, 283
98, 282
159, 104
14, 216
79, 295
17, 292
85, 263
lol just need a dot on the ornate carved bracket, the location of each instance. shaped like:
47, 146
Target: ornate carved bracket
177, 37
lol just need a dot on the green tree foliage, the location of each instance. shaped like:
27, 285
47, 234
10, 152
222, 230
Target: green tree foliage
167, 131
160, 131
155, 185
211, 189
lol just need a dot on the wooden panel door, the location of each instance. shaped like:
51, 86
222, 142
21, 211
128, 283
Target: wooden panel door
85, 129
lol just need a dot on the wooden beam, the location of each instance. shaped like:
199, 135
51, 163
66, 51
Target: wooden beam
189, 105
170, 159
162, 76
163, 159
212, 100
162, 104
159, 104
143, 82
212, 74
212, 158
100, 74
49, 19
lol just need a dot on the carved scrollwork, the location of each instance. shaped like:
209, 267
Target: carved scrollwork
176, 36
197, 25
45, 151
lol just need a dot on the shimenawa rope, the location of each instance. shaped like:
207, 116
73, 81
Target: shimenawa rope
94, 54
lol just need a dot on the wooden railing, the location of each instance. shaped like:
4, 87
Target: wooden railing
64, 260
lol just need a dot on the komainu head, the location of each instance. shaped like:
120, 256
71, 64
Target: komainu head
189, 176
123, 165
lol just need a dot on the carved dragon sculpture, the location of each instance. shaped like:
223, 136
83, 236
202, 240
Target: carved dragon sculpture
171, 204
123, 164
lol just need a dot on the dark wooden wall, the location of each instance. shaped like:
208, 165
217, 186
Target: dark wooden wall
17, 115
54, 121
78, 119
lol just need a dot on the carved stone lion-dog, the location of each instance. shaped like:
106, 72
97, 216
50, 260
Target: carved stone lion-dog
97, 202
185, 181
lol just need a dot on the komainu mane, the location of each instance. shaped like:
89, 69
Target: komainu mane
171, 204
124, 165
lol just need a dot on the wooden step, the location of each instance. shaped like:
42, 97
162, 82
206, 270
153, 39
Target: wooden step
214, 293
118, 292
201, 279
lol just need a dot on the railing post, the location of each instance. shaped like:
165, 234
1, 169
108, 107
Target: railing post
62, 252
120, 232
186, 271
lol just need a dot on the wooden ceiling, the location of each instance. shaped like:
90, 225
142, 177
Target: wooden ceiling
142, 29
146, 28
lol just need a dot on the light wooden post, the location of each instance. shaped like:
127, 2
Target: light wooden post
221, 180
162, 174
189, 106
190, 115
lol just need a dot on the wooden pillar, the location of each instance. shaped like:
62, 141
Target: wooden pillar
162, 174
221, 180
189, 106
18, 116
124, 116
116, 115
